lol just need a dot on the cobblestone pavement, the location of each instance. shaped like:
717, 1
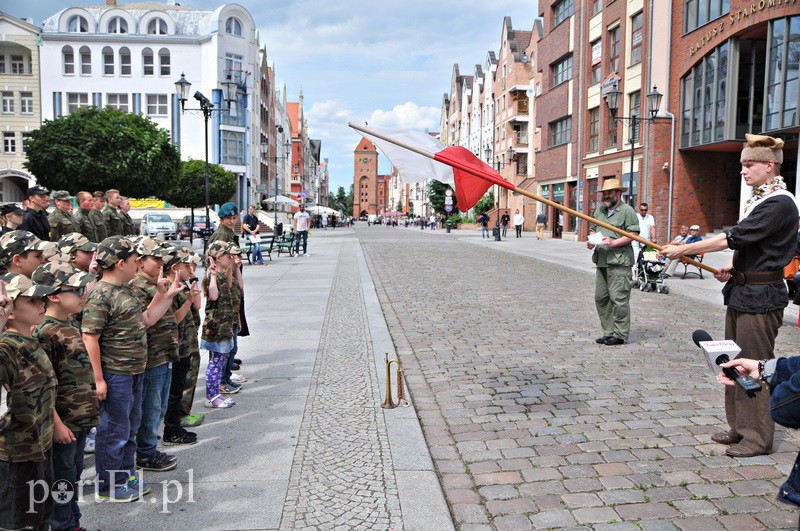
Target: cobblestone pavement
342, 476
531, 424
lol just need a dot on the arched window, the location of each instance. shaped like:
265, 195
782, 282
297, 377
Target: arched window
147, 62
163, 62
118, 25
233, 26
69, 60
86, 61
108, 61
78, 24
157, 26
124, 61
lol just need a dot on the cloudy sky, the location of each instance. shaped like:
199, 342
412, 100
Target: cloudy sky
386, 62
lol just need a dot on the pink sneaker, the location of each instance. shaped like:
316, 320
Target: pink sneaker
218, 402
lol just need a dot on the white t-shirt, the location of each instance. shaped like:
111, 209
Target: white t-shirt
519, 219
644, 225
302, 221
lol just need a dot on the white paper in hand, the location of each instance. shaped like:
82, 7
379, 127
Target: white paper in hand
596, 238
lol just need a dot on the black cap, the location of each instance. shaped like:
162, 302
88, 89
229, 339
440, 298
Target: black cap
10, 208
38, 190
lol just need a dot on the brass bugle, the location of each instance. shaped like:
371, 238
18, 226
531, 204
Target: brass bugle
401, 388
388, 403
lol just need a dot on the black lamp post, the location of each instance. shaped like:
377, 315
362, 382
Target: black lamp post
498, 165
612, 98
182, 87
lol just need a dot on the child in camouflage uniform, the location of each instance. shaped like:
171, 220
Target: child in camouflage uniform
221, 316
77, 410
28, 386
189, 340
21, 252
231, 381
114, 332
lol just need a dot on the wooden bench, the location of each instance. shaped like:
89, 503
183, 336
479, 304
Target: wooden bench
687, 265
285, 243
266, 247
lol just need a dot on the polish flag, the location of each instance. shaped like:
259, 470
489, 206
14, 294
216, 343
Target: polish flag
419, 156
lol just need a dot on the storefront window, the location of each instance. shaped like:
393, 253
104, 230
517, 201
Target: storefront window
782, 66
775, 73
703, 99
722, 84
573, 204
591, 193
792, 67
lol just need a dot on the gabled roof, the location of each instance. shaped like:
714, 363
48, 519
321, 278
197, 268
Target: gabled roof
366, 146
293, 110
22, 23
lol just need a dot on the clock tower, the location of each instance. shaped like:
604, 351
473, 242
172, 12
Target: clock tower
365, 179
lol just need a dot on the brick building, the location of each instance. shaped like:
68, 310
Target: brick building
370, 189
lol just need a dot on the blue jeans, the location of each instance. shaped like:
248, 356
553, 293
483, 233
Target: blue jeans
257, 253
115, 442
155, 397
301, 235
68, 465
484, 232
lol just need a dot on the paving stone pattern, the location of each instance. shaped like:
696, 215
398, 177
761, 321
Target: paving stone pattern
531, 424
342, 477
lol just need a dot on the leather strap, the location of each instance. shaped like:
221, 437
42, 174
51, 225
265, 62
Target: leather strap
760, 277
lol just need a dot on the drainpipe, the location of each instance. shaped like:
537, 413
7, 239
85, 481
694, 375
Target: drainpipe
580, 119
643, 173
672, 129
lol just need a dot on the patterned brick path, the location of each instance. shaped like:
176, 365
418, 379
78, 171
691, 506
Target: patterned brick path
531, 424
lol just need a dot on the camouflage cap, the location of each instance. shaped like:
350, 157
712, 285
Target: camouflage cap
234, 249
18, 242
61, 195
113, 249
52, 254
75, 241
20, 285
196, 258
178, 255
61, 274
218, 248
149, 247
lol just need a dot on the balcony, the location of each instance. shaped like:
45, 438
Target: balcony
522, 106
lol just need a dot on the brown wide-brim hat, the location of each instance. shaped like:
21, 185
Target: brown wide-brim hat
760, 148
612, 184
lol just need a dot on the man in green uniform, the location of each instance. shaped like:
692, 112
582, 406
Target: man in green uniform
82, 219
60, 219
112, 214
96, 215
127, 222
613, 256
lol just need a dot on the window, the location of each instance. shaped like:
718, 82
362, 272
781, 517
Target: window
233, 26
77, 100
157, 26
9, 143
636, 38
613, 50
148, 68
233, 66
163, 62
124, 61
636, 102
108, 61
26, 102
697, 13
86, 61
611, 140
77, 24
117, 101
781, 96
561, 131
597, 62
156, 104
232, 147
597, 6
118, 25
562, 11
25, 138
8, 102
561, 71
18, 65
594, 130
703, 99
68, 60
2, 64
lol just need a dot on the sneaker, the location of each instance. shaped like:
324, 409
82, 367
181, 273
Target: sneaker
230, 401
157, 462
142, 488
306, 254
167, 457
120, 494
228, 389
238, 378
181, 437
218, 402
237, 360
192, 420
235, 367
88, 447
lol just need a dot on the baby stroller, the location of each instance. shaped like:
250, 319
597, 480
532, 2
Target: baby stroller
649, 271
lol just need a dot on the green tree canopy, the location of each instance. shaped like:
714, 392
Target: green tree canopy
98, 149
484, 204
188, 190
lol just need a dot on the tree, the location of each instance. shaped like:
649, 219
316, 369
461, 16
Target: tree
98, 149
437, 195
347, 209
484, 204
188, 190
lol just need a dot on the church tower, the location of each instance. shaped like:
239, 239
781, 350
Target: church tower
365, 179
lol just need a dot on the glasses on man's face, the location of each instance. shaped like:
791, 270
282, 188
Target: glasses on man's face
80, 292
642, 210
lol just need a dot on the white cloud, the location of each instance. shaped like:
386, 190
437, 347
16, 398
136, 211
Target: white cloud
408, 115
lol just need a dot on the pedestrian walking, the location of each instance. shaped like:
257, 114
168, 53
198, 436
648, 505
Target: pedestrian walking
504, 221
647, 227
432, 221
763, 243
483, 219
541, 223
35, 217
519, 219
301, 223
614, 259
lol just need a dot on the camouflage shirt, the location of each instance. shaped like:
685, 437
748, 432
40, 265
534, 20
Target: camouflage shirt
99, 222
76, 401
127, 224
29, 390
187, 329
60, 224
85, 224
114, 222
221, 314
162, 337
224, 234
115, 313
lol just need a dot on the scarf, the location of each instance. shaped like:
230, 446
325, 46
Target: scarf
764, 191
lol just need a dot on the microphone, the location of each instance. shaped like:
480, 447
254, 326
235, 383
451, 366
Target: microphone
719, 351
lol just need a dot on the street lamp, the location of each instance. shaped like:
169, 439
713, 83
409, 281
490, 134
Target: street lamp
265, 154
498, 165
612, 98
182, 87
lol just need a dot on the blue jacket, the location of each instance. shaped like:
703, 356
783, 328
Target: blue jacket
785, 403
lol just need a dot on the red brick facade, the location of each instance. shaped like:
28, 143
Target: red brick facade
366, 191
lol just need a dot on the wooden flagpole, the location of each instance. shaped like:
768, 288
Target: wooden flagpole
497, 179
